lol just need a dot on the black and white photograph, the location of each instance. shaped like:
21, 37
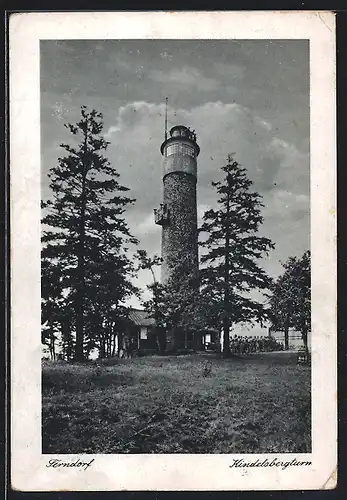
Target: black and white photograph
175, 251
175, 246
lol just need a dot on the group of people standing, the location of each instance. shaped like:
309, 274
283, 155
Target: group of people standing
247, 345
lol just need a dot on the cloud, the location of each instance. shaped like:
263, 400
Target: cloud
147, 226
263, 123
185, 76
292, 161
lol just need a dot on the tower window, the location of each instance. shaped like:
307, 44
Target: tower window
188, 150
180, 149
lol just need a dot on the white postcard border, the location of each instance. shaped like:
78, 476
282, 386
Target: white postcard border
166, 472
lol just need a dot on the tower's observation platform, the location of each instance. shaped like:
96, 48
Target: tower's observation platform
180, 151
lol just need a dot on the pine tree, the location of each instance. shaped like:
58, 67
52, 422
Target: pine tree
86, 235
231, 269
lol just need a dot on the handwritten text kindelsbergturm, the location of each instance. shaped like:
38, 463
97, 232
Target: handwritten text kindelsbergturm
275, 462
57, 463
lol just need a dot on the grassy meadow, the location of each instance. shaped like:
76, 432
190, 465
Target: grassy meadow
177, 404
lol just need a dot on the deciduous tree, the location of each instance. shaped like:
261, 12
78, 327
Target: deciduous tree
154, 306
290, 304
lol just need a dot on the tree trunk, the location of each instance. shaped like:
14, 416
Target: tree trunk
66, 339
196, 341
80, 291
159, 332
226, 342
114, 344
286, 336
304, 339
161, 340
79, 352
109, 342
120, 342
52, 346
101, 349
226, 320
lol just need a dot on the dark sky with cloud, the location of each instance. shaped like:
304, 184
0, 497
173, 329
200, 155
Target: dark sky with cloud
246, 97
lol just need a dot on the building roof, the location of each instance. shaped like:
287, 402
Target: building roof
179, 127
140, 317
187, 135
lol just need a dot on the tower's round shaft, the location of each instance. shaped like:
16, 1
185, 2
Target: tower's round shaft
178, 213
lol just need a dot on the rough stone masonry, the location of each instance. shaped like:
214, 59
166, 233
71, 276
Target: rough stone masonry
178, 213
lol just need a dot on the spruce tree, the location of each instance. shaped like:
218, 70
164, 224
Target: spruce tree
231, 270
86, 236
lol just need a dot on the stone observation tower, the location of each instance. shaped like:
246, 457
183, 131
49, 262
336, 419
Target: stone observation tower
177, 215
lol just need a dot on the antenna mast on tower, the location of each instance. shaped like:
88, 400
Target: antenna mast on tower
166, 100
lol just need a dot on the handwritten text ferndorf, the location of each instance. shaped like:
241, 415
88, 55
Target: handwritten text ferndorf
78, 464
